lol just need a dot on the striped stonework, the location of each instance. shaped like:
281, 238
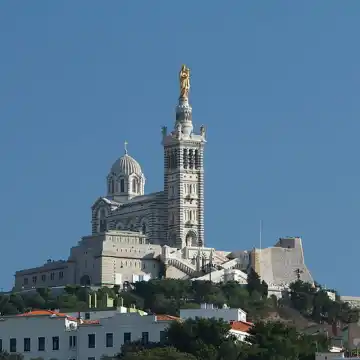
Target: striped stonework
184, 182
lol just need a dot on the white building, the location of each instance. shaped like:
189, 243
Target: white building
138, 236
52, 335
336, 355
354, 301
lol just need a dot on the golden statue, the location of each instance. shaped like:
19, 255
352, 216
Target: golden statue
184, 77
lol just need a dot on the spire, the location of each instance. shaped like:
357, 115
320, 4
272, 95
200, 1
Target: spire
125, 147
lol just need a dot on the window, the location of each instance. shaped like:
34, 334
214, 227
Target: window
34, 279
12, 345
56, 344
109, 340
87, 316
72, 341
43, 278
122, 185
145, 337
102, 221
41, 343
52, 276
134, 190
91, 341
61, 275
27, 345
127, 337
26, 281
162, 336
1, 345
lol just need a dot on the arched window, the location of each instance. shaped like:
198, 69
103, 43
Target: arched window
112, 186
102, 220
185, 158
134, 187
122, 185
197, 159
191, 239
191, 158
143, 228
85, 280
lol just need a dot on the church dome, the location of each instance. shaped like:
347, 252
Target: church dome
126, 165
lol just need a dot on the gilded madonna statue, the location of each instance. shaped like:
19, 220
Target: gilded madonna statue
184, 77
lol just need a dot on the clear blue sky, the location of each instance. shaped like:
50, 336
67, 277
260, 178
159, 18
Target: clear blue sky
275, 82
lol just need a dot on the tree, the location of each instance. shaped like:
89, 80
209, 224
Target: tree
315, 303
254, 283
301, 296
275, 340
204, 338
35, 301
137, 346
165, 353
265, 288
106, 357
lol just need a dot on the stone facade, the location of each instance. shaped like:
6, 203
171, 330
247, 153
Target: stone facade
137, 236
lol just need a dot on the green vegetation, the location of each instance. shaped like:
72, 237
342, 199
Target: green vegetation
4, 355
209, 339
204, 338
314, 303
169, 296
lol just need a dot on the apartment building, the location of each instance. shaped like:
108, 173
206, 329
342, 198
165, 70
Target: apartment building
54, 335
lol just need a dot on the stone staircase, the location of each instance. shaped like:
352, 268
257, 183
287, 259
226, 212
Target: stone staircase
219, 258
219, 275
183, 266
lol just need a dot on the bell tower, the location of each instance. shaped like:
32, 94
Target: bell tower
184, 174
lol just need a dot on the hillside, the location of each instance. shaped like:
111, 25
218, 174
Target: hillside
303, 307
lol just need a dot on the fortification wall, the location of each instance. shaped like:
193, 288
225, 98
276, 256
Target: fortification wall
282, 264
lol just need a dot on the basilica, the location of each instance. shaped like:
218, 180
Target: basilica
137, 236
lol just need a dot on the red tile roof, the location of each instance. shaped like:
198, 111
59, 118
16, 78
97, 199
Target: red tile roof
44, 312
167, 318
240, 326
58, 315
